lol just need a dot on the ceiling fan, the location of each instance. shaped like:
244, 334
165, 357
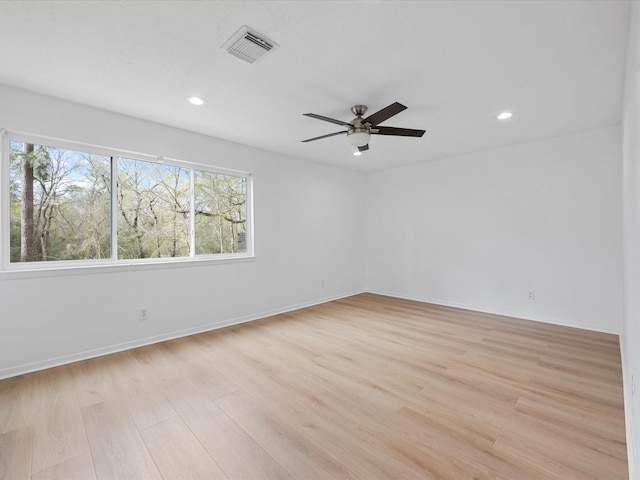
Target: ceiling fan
359, 130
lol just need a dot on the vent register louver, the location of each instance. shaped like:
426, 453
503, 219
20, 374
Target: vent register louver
249, 45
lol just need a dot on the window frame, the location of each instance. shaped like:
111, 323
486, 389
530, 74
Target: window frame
112, 262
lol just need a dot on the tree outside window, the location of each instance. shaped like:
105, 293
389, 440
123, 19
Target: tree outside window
61, 204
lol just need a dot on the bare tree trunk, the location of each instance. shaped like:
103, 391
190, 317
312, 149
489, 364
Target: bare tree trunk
26, 213
156, 228
44, 233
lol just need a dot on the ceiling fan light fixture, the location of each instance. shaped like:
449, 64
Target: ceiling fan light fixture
358, 138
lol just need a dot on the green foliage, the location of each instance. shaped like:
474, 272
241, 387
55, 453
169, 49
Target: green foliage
220, 208
153, 210
71, 203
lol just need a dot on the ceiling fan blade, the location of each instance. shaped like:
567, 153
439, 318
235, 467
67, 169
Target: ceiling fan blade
364, 148
402, 132
384, 114
327, 119
324, 136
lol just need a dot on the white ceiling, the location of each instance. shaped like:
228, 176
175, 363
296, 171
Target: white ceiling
559, 65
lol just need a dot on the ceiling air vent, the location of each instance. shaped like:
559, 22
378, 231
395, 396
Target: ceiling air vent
249, 45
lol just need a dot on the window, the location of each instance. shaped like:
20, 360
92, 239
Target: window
153, 203
71, 204
220, 213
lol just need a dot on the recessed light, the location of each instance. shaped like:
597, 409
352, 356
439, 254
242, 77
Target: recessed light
504, 115
196, 101
357, 153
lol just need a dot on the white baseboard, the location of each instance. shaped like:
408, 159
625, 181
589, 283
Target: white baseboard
505, 313
98, 352
633, 460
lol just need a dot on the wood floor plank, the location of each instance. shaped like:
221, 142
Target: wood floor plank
94, 382
134, 381
457, 445
195, 365
427, 458
358, 396
59, 435
58, 428
77, 468
368, 461
289, 447
147, 406
601, 427
117, 448
555, 457
154, 364
297, 405
582, 423
15, 454
349, 412
235, 451
20, 397
574, 386
178, 453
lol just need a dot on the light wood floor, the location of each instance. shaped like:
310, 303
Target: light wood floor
366, 387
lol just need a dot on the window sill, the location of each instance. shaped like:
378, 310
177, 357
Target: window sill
44, 270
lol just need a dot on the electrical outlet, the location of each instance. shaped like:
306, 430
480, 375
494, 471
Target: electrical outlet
532, 294
143, 313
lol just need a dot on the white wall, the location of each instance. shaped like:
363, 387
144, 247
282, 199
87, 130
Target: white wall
480, 230
308, 227
631, 326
